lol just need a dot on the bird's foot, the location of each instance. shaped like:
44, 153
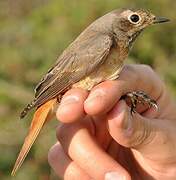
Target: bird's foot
139, 97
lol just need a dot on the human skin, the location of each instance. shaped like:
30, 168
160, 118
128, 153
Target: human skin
100, 139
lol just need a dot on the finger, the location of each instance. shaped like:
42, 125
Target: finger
148, 136
113, 149
63, 166
71, 107
101, 134
132, 78
127, 129
83, 149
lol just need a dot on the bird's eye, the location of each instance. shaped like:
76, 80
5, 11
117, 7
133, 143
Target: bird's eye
134, 18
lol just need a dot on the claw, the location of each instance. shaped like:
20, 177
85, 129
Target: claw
139, 97
155, 106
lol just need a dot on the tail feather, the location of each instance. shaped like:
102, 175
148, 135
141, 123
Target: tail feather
41, 115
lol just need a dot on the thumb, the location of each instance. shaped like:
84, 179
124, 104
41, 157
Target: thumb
148, 136
152, 139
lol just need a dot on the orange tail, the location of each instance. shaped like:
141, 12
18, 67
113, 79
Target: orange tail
42, 114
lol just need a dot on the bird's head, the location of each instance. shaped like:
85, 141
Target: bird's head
130, 23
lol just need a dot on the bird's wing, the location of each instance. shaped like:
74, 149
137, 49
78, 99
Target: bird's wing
75, 63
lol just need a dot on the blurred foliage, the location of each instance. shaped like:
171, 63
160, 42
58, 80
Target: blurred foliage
32, 34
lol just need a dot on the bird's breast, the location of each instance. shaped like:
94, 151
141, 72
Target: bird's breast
109, 70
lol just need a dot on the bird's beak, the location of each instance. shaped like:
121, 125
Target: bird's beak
160, 20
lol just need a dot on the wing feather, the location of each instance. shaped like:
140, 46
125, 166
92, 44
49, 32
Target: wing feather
77, 61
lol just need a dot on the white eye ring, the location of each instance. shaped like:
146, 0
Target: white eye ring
134, 18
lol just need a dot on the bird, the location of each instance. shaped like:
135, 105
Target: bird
96, 55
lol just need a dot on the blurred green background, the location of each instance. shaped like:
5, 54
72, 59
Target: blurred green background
32, 34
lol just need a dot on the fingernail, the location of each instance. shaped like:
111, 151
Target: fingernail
69, 100
122, 117
98, 93
114, 176
121, 108
129, 124
118, 111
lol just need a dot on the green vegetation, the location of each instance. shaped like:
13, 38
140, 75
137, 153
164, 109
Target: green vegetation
32, 34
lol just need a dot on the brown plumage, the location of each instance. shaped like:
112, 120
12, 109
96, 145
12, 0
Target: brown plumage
96, 55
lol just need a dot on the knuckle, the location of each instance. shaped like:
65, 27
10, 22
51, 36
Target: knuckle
61, 132
65, 132
57, 159
50, 157
137, 139
130, 71
52, 154
141, 136
147, 68
129, 68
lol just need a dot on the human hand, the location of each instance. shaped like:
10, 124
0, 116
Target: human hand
100, 139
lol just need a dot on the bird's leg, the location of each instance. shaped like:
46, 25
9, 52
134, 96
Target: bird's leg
139, 97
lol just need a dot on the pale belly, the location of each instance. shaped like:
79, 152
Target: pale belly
109, 70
